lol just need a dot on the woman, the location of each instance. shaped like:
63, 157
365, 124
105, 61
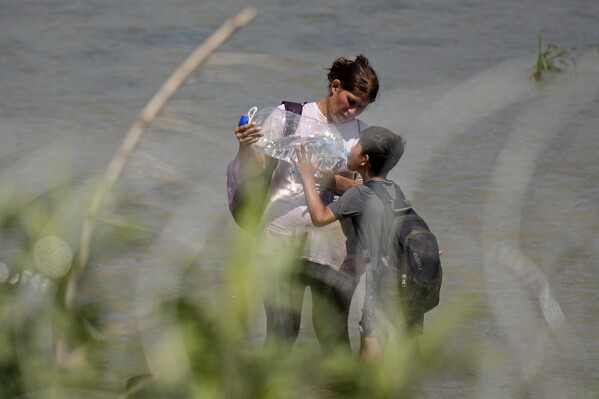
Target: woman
320, 258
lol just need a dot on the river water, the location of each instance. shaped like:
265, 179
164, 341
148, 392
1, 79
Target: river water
505, 170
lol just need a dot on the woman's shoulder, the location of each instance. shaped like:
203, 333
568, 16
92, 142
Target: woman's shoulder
311, 109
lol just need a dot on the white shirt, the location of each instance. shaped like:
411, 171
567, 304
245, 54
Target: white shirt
286, 218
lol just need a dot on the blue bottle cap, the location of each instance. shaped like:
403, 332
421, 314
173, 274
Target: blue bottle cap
243, 120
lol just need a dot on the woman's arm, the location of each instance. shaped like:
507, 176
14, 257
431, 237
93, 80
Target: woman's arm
253, 162
340, 184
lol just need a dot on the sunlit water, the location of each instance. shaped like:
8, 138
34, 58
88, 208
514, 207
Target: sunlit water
505, 171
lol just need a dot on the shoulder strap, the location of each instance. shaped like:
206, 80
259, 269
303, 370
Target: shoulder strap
290, 126
399, 205
291, 106
393, 208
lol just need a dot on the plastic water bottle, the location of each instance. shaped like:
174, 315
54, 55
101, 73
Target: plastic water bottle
283, 131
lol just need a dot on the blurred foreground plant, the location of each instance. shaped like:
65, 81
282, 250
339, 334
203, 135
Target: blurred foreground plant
45, 346
221, 360
552, 59
57, 351
222, 368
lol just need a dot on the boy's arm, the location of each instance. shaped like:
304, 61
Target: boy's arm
320, 213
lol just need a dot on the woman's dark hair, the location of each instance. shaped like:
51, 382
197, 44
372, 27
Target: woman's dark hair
355, 76
384, 148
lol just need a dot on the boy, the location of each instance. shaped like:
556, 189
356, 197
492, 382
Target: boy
363, 216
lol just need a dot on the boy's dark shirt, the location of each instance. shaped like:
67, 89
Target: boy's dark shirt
364, 221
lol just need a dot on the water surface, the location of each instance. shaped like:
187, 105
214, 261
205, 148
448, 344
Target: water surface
504, 170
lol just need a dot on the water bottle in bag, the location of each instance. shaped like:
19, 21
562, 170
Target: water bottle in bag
283, 131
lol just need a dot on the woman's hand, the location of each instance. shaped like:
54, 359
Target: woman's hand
326, 179
248, 134
253, 162
303, 162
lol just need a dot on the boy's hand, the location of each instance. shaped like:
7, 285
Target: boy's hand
303, 162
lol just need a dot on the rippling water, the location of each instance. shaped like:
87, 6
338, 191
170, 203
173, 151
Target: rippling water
505, 171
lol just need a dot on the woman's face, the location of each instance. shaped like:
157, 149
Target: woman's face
343, 106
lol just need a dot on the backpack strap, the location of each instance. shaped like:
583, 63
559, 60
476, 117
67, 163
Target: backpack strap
399, 204
393, 208
296, 108
290, 126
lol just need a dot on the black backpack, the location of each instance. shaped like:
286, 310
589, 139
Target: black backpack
412, 249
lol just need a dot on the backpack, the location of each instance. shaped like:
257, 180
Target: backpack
247, 196
411, 248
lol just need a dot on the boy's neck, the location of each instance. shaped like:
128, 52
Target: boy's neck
368, 177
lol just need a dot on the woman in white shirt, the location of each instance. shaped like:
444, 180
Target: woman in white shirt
319, 257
